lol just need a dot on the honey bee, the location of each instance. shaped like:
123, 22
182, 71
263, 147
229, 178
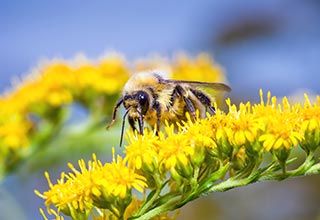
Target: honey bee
148, 97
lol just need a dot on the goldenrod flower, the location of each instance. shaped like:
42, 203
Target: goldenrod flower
244, 125
142, 152
51, 212
98, 185
62, 195
14, 132
107, 77
39, 101
200, 68
220, 134
14, 125
310, 114
199, 134
123, 179
281, 126
175, 151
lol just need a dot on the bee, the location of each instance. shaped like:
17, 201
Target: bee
148, 97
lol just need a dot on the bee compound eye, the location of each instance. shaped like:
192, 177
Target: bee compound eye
143, 99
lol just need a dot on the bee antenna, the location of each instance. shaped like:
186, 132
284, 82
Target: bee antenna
123, 123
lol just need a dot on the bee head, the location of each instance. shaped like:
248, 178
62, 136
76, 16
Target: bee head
138, 102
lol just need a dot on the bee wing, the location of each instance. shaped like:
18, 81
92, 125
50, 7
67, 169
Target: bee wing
212, 85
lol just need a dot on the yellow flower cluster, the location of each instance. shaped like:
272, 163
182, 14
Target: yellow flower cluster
45, 93
98, 185
95, 187
178, 166
41, 97
200, 68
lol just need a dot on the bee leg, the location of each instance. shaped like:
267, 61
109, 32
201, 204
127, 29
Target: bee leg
180, 91
114, 114
190, 107
140, 122
132, 123
204, 99
122, 128
156, 106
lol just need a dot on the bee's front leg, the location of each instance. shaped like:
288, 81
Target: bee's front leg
132, 123
114, 114
140, 122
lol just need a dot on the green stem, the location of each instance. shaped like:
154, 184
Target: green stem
150, 202
167, 197
307, 164
172, 205
158, 210
258, 175
315, 169
228, 184
300, 171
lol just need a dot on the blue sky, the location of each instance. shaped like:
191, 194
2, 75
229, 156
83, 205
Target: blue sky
282, 60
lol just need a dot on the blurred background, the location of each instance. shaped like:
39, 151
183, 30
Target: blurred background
274, 45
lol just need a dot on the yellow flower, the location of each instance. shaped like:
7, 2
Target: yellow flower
14, 130
114, 67
49, 84
51, 212
220, 128
142, 151
201, 68
244, 126
155, 62
200, 136
175, 148
281, 126
62, 195
123, 179
199, 132
97, 185
12, 104
310, 115
184, 67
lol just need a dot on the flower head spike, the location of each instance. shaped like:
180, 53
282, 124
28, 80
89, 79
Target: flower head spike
310, 127
281, 127
124, 179
175, 151
220, 127
244, 125
142, 151
94, 185
199, 133
202, 68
